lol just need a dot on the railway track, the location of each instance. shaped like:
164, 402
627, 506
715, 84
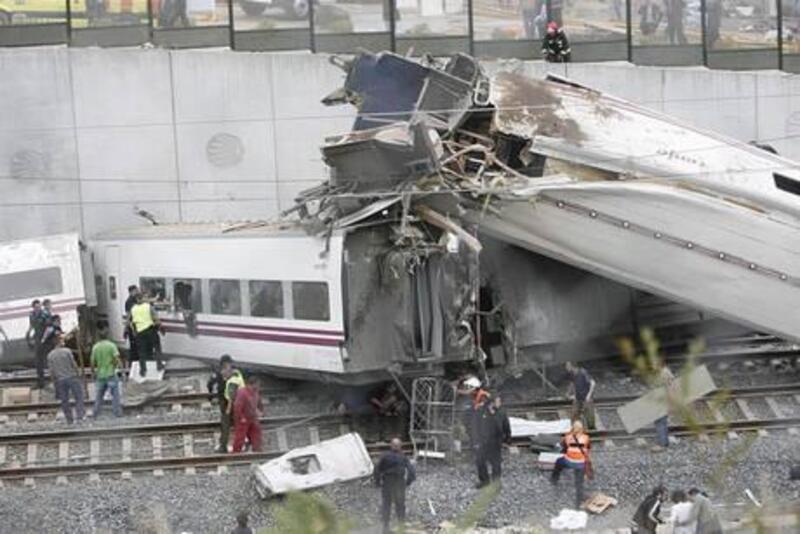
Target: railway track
189, 447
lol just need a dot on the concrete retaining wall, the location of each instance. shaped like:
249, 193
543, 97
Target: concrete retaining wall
89, 135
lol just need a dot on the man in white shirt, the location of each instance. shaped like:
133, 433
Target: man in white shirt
680, 512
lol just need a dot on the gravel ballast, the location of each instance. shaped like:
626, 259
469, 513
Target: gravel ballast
205, 503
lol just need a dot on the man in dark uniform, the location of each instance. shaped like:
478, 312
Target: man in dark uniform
216, 386
493, 429
393, 474
130, 302
36, 326
555, 45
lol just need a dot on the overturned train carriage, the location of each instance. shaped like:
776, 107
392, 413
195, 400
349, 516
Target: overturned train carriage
616, 205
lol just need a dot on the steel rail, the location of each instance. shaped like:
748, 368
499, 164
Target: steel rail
149, 464
88, 433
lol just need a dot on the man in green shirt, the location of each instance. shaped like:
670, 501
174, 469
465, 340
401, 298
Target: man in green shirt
105, 362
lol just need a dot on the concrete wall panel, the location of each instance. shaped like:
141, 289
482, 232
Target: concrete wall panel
221, 87
115, 87
103, 216
35, 89
27, 221
139, 153
237, 150
714, 100
779, 112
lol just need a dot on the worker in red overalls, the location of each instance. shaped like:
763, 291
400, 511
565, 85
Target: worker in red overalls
247, 410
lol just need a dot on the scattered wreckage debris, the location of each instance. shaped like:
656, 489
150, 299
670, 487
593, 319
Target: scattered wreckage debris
687, 388
569, 519
335, 460
599, 503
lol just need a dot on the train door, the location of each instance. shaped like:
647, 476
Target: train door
116, 294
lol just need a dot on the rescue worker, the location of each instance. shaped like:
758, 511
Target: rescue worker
143, 323
130, 335
582, 394
51, 332
663, 378
66, 379
247, 411
702, 513
493, 430
575, 447
105, 363
647, 516
393, 474
36, 325
219, 384
555, 45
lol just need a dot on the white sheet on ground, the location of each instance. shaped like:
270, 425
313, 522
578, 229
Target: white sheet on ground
569, 520
522, 428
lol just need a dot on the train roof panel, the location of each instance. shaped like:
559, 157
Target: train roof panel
251, 229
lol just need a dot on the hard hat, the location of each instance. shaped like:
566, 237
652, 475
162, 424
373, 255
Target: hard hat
472, 382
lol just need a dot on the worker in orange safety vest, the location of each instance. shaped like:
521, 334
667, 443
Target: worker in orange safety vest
575, 446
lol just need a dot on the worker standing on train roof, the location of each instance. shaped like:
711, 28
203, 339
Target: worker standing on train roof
575, 446
143, 322
247, 412
582, 394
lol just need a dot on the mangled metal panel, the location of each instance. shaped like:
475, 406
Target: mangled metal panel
335, 460
579, 125
387, 88
381, 158
687, 388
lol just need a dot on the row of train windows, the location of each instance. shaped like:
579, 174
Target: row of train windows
254, 298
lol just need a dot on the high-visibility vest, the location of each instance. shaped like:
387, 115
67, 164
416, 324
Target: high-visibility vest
141, 317
236, 378
577, 446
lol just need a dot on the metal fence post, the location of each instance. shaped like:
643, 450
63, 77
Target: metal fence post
313, 40
231, 30
471, 28
629, 29
704, 30
68, 14
779, 14
150, 20
392, 24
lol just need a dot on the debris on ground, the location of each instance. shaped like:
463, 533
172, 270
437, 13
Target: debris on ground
599, 503
569, 520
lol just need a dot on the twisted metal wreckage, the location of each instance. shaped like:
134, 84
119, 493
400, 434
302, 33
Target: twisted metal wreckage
608, 195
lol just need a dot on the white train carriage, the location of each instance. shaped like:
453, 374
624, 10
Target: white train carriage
42, 268
268, 296
276, 298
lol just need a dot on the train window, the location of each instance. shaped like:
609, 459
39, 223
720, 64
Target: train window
112, 287
226, 297
266, 298
187, 294
29, 284
785, 183
310, 301
154, 288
